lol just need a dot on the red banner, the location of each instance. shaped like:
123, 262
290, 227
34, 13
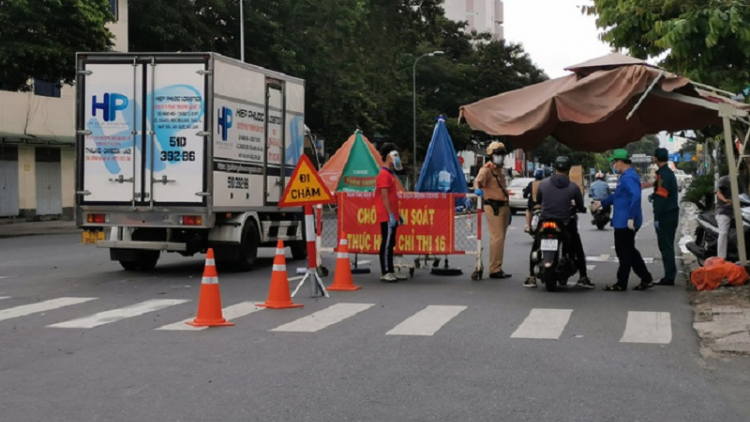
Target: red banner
428, 223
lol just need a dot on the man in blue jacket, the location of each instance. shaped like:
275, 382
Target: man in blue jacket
627, 219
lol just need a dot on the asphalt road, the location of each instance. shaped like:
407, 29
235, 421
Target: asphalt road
79, 344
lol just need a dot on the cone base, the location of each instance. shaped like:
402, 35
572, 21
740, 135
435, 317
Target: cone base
351, 288
220, 323
279, 305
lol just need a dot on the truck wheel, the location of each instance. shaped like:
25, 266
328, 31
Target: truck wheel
299, 250
248, 247
146, 261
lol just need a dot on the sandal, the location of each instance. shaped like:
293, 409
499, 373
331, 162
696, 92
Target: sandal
644, 286
614, 288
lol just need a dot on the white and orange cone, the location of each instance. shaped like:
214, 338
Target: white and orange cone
278, 295
209, 302
342, 277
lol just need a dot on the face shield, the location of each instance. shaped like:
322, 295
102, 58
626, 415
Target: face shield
396, 160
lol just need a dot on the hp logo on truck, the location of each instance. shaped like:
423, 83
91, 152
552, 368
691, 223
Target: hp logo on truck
225, 122
110, 106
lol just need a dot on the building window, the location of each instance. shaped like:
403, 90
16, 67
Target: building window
46, 88
113, 8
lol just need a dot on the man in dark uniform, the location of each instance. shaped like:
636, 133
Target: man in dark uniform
666, 214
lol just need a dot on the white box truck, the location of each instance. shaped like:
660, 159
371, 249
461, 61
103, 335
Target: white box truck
185, 151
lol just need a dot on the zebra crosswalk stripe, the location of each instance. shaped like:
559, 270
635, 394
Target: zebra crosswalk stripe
427, 321
119, 314
648, 327
230, 313
43, 306
324, 318
543, 324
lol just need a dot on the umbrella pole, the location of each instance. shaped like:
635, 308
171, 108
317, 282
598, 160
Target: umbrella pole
726, 111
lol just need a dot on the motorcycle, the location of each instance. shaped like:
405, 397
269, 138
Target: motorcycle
600, 217
705, 244
553, 261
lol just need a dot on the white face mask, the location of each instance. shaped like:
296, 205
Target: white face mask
396, 161
497, 160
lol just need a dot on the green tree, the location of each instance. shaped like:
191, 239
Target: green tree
705, 40
356, 57
39, 38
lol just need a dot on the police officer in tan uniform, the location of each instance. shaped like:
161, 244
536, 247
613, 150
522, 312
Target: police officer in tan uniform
491, 186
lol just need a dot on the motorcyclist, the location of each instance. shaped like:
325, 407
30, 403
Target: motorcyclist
555, 196
599, 190
530, 193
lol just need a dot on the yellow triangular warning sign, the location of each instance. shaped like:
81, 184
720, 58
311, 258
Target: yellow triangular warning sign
305, 187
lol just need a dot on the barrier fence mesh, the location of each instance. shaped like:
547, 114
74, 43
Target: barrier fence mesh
466, 241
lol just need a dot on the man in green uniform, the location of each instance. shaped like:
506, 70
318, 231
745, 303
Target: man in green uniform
666, 214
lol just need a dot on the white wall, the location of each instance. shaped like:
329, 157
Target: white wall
482, 15
120, 28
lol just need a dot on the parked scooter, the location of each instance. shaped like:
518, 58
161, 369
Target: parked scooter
553, 261
705, 244
600, 217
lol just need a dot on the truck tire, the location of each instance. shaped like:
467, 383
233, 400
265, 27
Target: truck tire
248, 247
299, 250
145, 261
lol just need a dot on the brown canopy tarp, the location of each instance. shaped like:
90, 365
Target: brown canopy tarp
332, 171
587, 110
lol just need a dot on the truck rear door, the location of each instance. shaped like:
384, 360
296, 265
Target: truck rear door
143, 127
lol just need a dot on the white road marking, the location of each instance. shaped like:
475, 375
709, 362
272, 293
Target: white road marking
115, 315
2, 277
44, 306
543, 324
604, 257
230, 313
4, 297
324, 318
648, 327
590, 267
427, 321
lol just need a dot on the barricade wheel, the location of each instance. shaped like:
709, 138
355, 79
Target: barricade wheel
436, 263
417, 263
411, 272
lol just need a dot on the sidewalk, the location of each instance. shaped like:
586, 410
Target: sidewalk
37, 228
721, 316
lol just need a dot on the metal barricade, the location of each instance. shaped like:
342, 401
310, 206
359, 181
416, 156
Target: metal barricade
429, 243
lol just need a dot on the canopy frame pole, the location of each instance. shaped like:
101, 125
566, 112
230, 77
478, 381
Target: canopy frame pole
726, 111
643, 97
744, 147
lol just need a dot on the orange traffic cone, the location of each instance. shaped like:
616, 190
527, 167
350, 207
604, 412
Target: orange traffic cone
209, 302
278, 295
342, 278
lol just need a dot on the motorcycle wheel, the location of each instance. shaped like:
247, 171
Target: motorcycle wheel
550, 279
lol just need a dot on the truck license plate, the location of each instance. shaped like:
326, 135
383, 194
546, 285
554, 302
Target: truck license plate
549, 245
91, 237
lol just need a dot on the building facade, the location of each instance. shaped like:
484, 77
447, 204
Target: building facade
481, 15
37, 142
